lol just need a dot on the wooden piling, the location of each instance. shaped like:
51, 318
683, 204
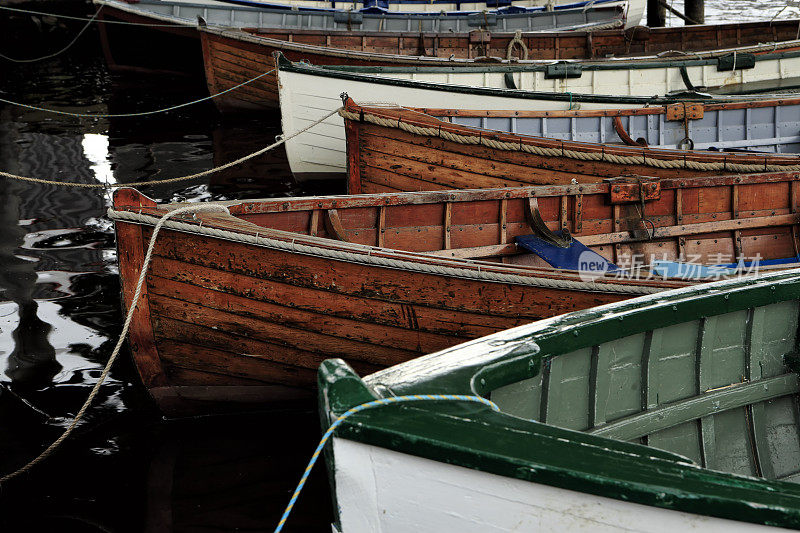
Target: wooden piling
656, 14
695, 10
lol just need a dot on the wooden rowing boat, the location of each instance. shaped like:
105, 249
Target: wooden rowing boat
234, 57
308, 92
635, 8
240, 309
671, 412
161, 36
400, 149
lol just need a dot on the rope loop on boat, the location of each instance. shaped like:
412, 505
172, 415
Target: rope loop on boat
280, 140
357, 409
54, 54
128, 319
572, 153
517, 41
141, 113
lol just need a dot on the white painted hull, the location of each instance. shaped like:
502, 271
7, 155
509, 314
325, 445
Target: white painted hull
384, 491
320, 153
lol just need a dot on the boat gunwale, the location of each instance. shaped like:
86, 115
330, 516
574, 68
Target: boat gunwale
285, 65
457, 267
406, 116
644, 475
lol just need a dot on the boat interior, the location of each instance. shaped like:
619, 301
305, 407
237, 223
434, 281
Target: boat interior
717, 385
486, 44
668, 227
771, 126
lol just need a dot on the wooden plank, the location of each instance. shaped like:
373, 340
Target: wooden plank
695, 229
703, 356
563, 218
141, 339
577, 226
448, 216
504, 221
478, 252
716, 401
333, 225
381, 226
754, 346
314, 226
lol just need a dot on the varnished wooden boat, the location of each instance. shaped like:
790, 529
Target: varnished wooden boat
671, 412
240, 318
234, 57
307, 93
399, 149
161, 35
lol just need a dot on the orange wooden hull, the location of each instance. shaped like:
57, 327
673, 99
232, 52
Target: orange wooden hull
231, 58
226, 324
388, 157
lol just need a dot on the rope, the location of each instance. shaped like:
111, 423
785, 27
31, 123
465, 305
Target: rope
362, 407
132, 307
102, 21
140, 114
280, 141
517, 40
363, 254
572, 153
89, 23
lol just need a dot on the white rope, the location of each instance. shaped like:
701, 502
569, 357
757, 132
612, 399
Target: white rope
131, 308
361, 254
73, 41
279, 142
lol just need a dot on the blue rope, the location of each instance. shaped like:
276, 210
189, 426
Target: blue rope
359, 408
143, 113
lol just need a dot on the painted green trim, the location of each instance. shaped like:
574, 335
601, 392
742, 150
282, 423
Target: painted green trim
478, 438
301, 68
735, 396
544, 66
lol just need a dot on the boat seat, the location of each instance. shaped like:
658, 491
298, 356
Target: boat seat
573, 256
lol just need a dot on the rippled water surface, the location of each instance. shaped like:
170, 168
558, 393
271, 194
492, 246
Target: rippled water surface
126, 469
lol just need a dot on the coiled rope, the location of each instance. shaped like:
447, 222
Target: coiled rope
128, 319
279, 142
101, 21
73, 41
680, 162
358, 409
141, 113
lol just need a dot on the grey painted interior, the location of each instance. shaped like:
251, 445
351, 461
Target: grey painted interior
765, 129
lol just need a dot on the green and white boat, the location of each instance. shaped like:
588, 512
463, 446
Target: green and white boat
662, 413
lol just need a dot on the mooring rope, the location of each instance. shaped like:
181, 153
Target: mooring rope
363, 254
101, 21
358, 409
33, 60
257, 153
680, 162
128, 319
141, 113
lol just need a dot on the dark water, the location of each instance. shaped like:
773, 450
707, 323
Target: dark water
125, 469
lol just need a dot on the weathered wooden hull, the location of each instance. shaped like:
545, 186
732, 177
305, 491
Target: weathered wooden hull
396, 149
232, 58
665, 413
236, 320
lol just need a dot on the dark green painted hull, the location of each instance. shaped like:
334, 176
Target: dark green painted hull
687, 400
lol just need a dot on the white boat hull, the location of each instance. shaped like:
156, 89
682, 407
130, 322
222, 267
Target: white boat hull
380, 490
320, 153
